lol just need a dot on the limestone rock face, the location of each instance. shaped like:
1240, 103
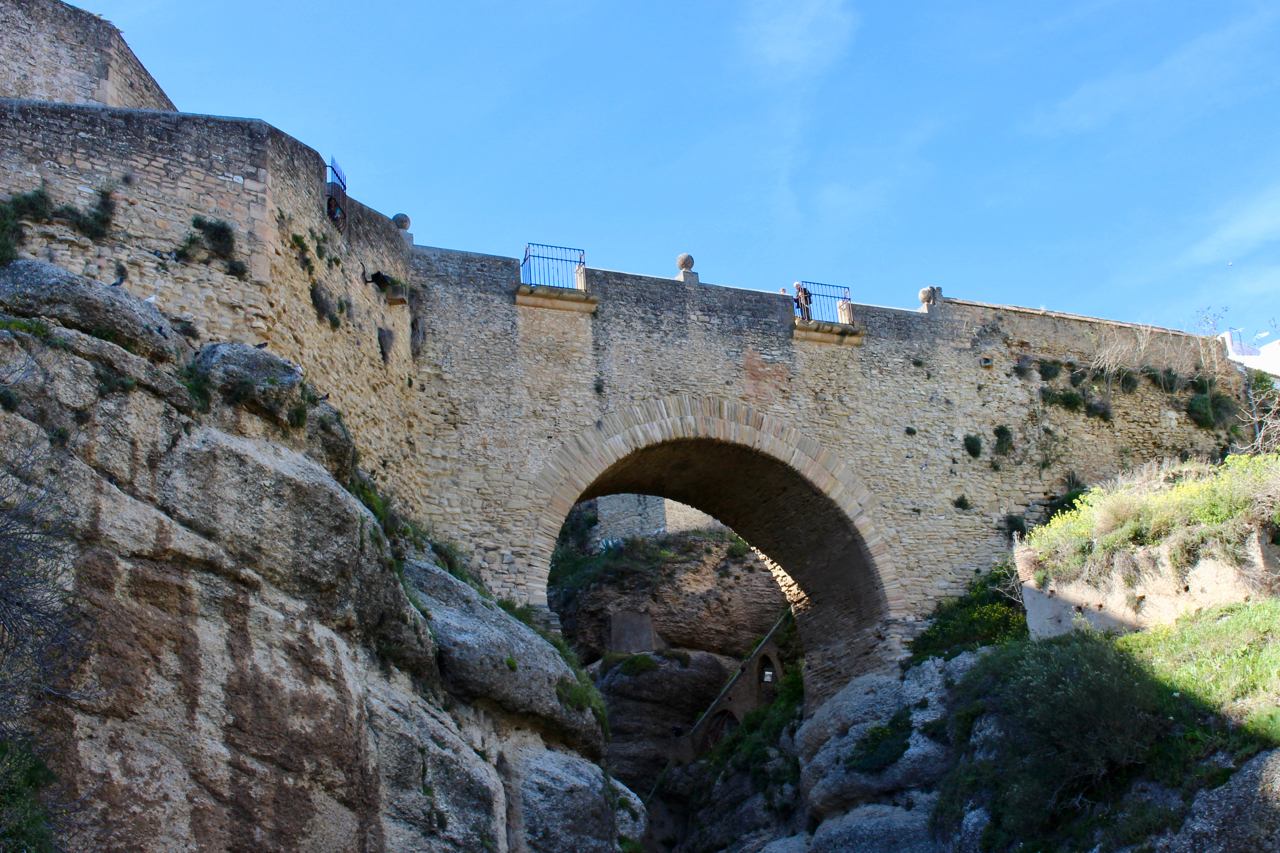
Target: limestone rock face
37, 289
269, 684
711, 603
878, 828
1242, 815
827, 739
486, 655
644, 711
563, 809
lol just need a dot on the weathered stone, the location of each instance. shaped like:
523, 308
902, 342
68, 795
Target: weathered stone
832, 735
36, 289
878, 829
489, 657
251, 376
1241, 816
563, 805
646, 710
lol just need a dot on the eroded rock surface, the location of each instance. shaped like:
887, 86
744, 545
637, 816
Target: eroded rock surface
267, 683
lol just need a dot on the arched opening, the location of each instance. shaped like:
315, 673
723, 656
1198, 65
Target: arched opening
766, 672
722, 725
783, 493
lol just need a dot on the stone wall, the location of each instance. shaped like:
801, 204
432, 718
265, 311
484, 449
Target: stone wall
489, 419
56, 52
682, 518
623, 516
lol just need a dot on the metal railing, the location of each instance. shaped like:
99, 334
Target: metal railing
336, 203
824, 302
552, 266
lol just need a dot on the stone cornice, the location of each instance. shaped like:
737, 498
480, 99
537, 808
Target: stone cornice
557, 298
827, 333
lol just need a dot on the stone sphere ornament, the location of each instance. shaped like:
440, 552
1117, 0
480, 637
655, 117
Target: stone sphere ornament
685, 261
401, 221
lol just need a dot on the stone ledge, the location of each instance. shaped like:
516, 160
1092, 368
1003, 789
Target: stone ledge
827, 333
558, 298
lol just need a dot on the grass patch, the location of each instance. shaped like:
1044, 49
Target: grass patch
1198, 507
973, 445
94, 223
196, 381
882, 745
962, 502
218, 237
1048, 370
1081, 717
1211, 409
984, 616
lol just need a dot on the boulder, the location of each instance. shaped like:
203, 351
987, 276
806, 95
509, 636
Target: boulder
832, 735
487, 656
646, 709
563, 804
251, 376
878, 828
37, 289
1242, 816
794, 844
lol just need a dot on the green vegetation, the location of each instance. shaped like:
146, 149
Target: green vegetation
962, 502
1058, 754
973, 445
94, 224
1197, 507
637, 560
196, 381
512, 664
1049, 370
34, 206
25, 823
1072, 401
882, 745
1166, 380
986, 615
109, 381
1211, 409
1015, 524
34, 328
218, 236
1004, 440
737, 549
628, 665
747, 748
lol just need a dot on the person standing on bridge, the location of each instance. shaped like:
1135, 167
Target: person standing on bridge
803, 301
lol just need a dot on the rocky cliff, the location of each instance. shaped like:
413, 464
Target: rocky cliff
268, 675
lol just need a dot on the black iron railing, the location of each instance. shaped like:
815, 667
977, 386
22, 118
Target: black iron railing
336, 203
824, 302
551, 266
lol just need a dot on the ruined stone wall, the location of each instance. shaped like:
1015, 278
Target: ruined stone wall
56, 52
682, 518
623, 516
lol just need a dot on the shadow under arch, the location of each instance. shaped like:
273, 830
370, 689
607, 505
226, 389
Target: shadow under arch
781, 491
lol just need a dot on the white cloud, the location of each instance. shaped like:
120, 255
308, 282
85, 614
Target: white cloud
798, 38
1243, 229
1211, 68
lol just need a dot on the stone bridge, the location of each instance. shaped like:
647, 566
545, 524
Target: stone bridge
489, 408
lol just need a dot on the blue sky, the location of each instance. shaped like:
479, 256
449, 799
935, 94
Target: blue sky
1116, 158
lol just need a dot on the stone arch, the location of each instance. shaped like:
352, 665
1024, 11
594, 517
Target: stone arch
789, 497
